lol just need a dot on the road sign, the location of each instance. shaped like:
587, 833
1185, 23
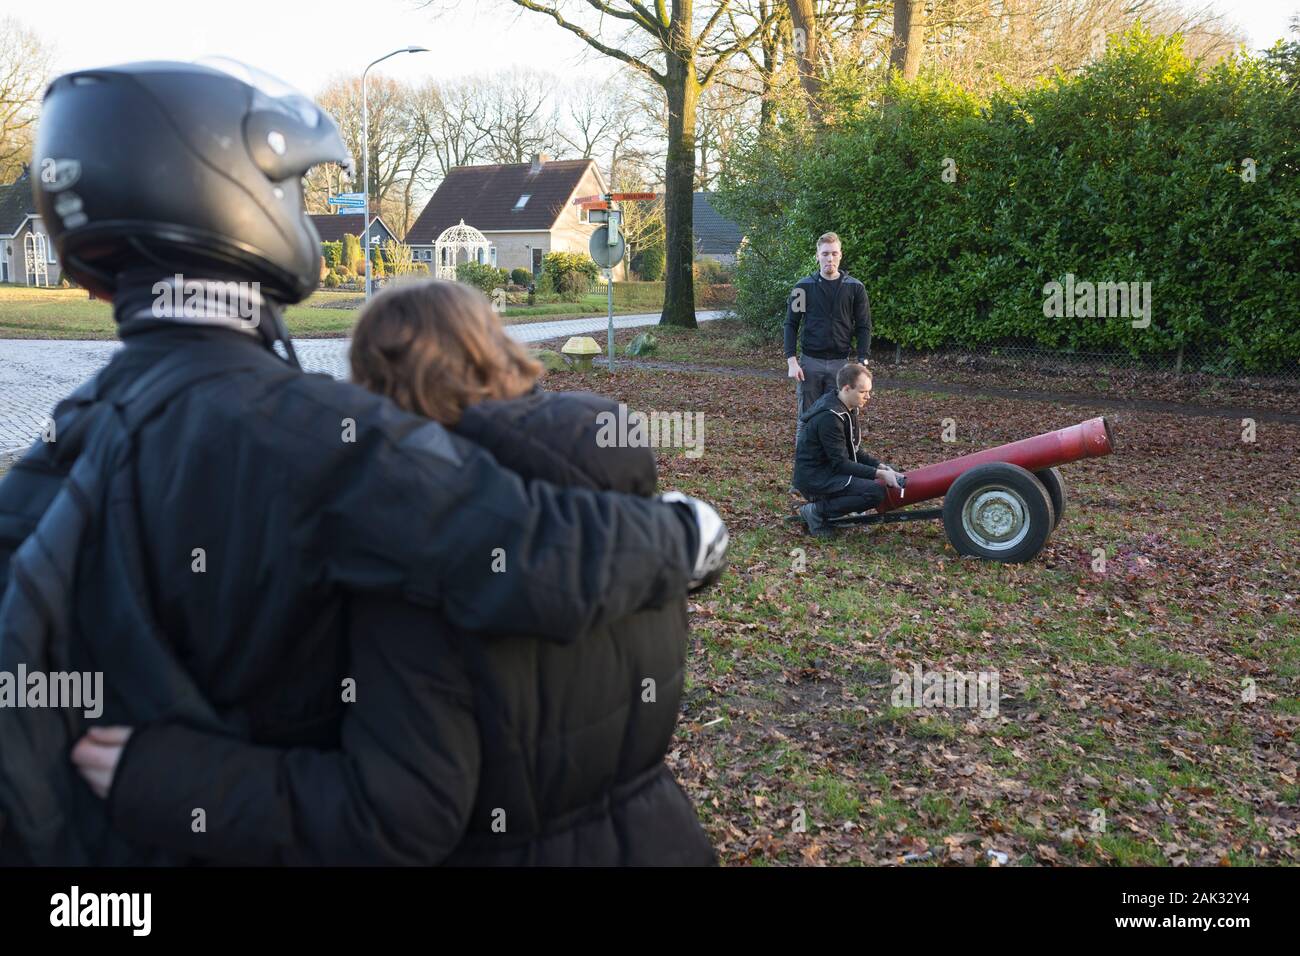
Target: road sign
357, 200
606, 256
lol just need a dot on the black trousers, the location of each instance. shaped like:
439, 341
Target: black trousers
861, 494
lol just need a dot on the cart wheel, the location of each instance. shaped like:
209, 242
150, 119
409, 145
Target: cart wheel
1055, 485
999, 512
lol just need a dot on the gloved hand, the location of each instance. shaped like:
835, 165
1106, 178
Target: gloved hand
711, 535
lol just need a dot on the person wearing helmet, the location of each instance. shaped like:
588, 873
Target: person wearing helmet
201, 514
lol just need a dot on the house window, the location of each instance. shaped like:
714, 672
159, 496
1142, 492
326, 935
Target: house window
523, 201
494, 257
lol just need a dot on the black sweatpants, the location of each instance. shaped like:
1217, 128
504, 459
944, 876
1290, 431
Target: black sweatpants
861, 494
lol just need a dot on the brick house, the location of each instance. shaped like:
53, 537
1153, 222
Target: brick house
26, 251
524, 210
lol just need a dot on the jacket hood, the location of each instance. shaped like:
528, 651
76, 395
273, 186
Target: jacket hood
830, 402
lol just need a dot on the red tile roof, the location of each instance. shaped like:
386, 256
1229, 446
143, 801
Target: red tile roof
486, 197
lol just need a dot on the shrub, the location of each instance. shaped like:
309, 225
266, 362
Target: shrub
354, 258
711, 272
559, 265
485, 278
521, 277
573, 286
649, 264
1129, 171
333, 253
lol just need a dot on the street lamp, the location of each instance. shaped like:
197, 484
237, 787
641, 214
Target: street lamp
365, 152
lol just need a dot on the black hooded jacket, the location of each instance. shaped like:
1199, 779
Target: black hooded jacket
461, 749
827, 454
259, 504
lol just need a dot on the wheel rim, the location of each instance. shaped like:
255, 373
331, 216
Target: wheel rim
996, 518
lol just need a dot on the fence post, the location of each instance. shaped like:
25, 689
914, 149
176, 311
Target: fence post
898, 353
1178, 363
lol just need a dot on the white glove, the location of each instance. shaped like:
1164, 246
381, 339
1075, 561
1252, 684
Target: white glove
711, 555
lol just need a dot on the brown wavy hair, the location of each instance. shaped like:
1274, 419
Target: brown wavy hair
435, 348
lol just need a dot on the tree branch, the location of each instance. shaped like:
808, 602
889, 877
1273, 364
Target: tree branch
591, 41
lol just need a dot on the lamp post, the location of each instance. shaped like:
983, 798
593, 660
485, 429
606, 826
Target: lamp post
365, 153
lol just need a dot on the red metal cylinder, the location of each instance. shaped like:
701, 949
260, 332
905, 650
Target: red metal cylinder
1090, 439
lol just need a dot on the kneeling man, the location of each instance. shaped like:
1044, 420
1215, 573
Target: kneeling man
829, 470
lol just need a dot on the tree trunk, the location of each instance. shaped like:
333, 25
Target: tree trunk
804, 26
683, 92
909, 37
769, 47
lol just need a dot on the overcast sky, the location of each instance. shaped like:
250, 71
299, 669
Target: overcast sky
304, 42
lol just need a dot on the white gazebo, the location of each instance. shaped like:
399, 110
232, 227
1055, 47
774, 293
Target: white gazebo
34, 256
455, 240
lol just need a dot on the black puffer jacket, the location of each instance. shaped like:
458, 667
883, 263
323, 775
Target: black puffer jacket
498, 751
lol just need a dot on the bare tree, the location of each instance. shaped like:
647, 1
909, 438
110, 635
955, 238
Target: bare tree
726, 114
24, 70
681, 49
515, 115
980, 44
591, 115
454, 122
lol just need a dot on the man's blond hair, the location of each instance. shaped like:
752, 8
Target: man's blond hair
829, 237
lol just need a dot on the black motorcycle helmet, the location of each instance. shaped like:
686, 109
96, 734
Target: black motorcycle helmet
189, 168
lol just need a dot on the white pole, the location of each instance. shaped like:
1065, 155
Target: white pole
609, 275
365, 175
365, 154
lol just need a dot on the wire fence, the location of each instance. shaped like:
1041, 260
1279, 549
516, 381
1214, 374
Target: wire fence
1178, 376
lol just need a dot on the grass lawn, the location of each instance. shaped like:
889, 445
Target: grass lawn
70, 314
1149, 712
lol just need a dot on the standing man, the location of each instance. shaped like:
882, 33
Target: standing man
834, 310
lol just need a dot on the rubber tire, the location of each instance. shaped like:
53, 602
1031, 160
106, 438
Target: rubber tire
1055, 485
1029, 488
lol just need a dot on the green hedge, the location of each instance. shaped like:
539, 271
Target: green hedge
1131, 171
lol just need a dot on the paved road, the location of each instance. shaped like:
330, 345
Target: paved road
36, 373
